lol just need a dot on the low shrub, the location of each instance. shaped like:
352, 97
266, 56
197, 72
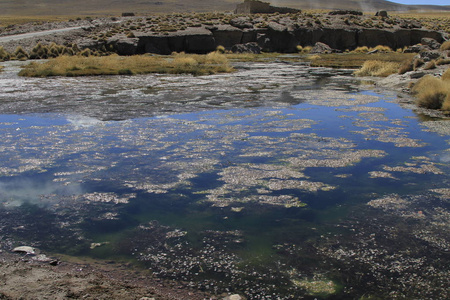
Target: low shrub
378, 68
442, 61
220, 49
363, 49
446, 75
20, 53
4, 55
407, 66
383, 49
432, 92
430, 65
417, 63
445, 46
301, 49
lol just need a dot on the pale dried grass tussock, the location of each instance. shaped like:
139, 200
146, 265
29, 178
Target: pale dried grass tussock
178, 63
378, 68
433, 92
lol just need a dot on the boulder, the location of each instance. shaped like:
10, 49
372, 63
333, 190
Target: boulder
227, 35
234, 297
321, 48
241, 23
124, 45
25, 250
432, 43
417, 48
430, 55
197, 40
278, 39
246, 48
382, 13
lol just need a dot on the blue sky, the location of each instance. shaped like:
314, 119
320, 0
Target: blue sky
429, 2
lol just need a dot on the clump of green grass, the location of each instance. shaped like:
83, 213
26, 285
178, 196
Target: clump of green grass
378, 68
211, 63
432, 92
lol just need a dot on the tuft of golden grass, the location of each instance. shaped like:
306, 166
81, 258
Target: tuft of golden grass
446, 75
432, 92
4, 55
356, 60
139, 64
301, 49
445, 46
378, 68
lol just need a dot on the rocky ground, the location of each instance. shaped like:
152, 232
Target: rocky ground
23, 277
163, 34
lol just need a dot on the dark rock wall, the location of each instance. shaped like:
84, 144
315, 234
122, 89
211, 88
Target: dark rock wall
274, 38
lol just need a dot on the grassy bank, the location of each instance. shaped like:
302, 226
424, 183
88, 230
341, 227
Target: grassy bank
356, 60
432, 92
139, 64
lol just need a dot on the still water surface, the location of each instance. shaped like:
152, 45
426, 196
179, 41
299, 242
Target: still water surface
279, 180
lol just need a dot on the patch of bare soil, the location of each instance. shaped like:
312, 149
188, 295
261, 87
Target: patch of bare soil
23, 278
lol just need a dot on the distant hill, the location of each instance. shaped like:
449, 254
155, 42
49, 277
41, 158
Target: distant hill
114, 7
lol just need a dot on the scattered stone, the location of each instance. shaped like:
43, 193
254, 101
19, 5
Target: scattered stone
382, 13
430, 55
25, 250
241, 22
42, 258
321, 48
432, 43
417, 48
234, 297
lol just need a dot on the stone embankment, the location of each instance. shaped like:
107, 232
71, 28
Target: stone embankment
264, 32
283, 38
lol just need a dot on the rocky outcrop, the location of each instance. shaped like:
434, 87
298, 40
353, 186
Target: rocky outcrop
259, 7
321, 48
246, 48
191, 40
279, 38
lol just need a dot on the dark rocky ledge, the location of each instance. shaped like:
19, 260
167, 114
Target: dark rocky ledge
273, 33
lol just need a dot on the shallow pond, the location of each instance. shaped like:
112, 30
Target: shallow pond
279, 181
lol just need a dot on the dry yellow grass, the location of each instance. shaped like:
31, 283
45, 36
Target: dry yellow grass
446, 75
445, 46
432, 92
378, 68
7, 20
139, 64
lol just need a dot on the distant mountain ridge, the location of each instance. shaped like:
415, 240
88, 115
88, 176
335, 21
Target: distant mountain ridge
105, 7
